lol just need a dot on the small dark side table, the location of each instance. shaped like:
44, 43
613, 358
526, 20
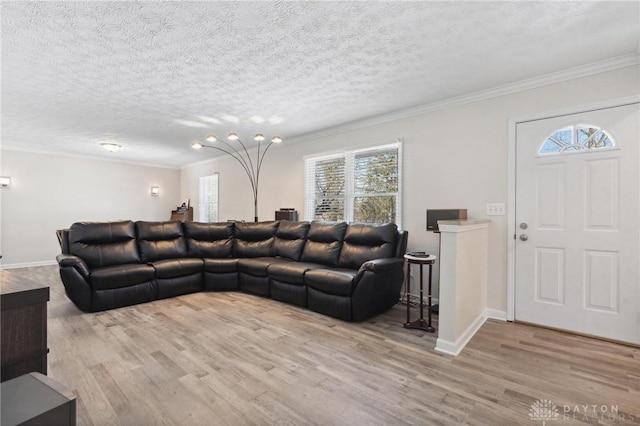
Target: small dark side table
420, 323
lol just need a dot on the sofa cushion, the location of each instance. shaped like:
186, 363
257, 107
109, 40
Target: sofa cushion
290, 239
118, 276
160, 240
171, 268
364, 242
257, 266
254, 239
338, 281
291, 272
213, 240
104, 244
324, 243
218, 266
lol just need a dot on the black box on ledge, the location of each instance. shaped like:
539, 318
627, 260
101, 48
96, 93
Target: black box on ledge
287, 214
434, 215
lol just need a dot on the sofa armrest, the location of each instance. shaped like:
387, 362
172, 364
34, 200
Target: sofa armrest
65, 260
377, 288
382, 265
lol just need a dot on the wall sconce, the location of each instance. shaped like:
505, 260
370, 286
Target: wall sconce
5, 181
155, 191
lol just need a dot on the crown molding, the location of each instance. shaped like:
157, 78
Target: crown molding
520, 86
86, 156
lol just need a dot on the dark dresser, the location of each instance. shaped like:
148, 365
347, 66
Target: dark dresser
23, 334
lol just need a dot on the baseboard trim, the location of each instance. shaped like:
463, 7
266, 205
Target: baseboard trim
496, 314
28, 264
454, 348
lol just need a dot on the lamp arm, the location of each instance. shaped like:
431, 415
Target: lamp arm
238, 156
263, 154
253, 172
239, 160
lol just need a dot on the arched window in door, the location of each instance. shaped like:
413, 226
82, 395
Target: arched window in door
578, 138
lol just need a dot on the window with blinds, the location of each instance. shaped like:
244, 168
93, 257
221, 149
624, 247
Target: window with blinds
355, 186
209, 198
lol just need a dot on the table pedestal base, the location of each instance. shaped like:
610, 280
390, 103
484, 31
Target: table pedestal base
420, 324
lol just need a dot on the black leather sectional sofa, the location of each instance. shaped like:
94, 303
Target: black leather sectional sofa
351, 272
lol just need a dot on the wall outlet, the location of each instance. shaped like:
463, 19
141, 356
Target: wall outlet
497, 209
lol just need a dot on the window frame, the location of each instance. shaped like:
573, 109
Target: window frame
350, 194
574, 148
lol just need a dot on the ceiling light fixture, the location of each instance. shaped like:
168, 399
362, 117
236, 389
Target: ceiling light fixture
111, 147
251, 168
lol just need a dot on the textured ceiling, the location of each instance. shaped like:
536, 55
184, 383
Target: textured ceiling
154, 76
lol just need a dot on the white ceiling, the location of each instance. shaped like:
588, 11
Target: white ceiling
155, 76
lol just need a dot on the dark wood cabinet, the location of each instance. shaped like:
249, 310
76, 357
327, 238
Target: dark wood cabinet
182, 215
23, 323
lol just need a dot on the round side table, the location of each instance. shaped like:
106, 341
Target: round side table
420, 323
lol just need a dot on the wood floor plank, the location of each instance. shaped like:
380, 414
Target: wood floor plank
229, 358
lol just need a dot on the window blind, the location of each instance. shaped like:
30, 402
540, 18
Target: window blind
355, 186
326, 190
208, 198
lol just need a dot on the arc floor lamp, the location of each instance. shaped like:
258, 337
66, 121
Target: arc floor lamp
251, 167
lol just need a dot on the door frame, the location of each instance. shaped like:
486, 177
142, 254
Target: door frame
511, 181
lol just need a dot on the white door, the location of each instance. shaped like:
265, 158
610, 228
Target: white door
577, 230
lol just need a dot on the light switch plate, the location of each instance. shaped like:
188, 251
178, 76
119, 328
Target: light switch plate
497, 209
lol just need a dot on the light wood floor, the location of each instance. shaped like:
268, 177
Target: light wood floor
236, 359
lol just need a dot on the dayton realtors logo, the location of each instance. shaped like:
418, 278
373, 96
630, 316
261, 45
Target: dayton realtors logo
544, 410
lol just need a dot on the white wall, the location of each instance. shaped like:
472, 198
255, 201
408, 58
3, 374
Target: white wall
50, 192
453, 158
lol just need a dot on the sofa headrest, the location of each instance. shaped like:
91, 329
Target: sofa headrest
365, 234
102, 232
290, 239
160, 240
255, 231
364, 242
326, 232
254, 239
289, 230
208, 231
209, 240
155, 231
324, 243
104, 243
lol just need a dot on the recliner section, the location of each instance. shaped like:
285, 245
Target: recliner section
351, 272
213, 242
162, 245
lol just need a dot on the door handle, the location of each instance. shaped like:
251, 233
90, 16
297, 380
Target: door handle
524, 237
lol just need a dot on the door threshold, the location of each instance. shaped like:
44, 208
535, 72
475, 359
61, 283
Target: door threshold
576, 333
